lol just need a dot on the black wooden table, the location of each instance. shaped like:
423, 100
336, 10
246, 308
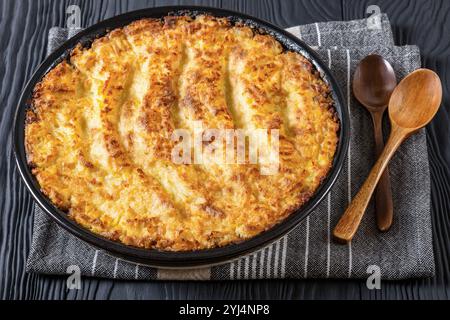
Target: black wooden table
24, 25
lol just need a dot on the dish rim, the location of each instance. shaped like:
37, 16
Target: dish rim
180, 259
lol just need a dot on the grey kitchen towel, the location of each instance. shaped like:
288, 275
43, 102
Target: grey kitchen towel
405, 251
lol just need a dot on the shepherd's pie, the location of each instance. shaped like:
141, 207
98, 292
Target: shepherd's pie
99, 132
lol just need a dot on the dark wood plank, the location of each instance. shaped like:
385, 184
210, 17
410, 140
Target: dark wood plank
22, 47
426, 24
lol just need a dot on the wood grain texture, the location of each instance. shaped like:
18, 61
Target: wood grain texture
373, 83
412, 105
22, 48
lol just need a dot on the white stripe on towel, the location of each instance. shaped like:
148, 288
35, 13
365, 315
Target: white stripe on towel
305, 273
94, 262
136, 272
269, 261
329, 59
329, 233
116, 264
277, 257
319, 40
232, 270
247, 266
349, 169
329, 203
238, 272
283, 257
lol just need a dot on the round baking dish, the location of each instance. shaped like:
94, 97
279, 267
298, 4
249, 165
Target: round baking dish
192, 258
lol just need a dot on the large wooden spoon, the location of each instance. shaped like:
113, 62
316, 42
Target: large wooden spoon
413, 104
373, 83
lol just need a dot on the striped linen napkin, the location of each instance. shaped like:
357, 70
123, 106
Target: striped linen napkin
307, 251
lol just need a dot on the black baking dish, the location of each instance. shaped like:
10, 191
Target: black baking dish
191, 258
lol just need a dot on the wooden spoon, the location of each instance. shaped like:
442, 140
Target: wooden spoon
413, 104
373, 83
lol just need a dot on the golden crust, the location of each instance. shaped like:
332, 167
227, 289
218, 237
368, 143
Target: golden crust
98, 137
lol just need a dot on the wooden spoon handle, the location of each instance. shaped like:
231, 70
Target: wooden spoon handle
349, 222
383, 194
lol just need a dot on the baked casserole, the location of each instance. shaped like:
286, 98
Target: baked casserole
99, 134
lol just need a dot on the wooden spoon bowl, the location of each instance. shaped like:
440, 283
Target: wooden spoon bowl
413, 105
373, 82
416, 100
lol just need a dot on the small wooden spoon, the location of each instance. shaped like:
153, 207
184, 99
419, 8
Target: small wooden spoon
373, 83
413, 104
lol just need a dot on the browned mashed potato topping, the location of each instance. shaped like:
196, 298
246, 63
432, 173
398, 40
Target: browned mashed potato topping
98, 135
